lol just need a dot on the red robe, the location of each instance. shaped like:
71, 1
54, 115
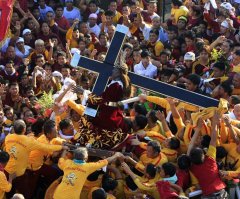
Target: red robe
110, 118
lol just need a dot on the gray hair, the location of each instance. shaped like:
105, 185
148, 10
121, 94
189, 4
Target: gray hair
18, 196
80, 154
39, 42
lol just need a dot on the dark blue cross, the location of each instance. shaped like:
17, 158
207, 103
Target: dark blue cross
104, 69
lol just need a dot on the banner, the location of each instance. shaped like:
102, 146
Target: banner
6, 8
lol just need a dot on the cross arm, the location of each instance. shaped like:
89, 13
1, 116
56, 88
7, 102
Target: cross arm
173, 91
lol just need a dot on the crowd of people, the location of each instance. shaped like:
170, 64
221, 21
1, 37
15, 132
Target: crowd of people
156, 147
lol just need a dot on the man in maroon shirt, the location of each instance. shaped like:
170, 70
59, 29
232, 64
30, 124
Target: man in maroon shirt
9, 73
62, 22
205, 169
12, 97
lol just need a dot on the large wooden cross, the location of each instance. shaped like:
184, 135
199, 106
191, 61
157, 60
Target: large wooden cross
104, 70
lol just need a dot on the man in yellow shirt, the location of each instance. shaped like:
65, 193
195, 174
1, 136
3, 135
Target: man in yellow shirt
152, 155
37, 159
76, 172
155, 46
5, 185
19, 147
178, 10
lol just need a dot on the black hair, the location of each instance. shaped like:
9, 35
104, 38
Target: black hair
154, 31
48, 126
194, 78
169, 169
151, 170
130, 183
37, 127
6, 109
228, 88
197, 155
184, 162
127, 45
155, 145
13, 84
145, 53
220, 65
140, 109
61, 53
59, 6
109, 13
177, 3
94, 2
4, 157
174, 143
99, 194
235, 99
64, 124
108, 183
141, 121
230, 43
221, 152
190, 35
152, 116
205, 142
166, 52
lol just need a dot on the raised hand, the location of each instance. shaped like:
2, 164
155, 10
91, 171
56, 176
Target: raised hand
160, 115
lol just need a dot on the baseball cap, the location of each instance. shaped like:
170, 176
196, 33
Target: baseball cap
183, 18
189, 56
93, 15
25, 31
226, 5
20, 39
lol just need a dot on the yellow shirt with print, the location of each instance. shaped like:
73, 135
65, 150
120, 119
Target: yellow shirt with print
74, 177
19, 148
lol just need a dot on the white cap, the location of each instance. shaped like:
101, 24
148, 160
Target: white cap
57, 74
189, 56
20, 39
75, 50
25, 31
226, 5
93, 15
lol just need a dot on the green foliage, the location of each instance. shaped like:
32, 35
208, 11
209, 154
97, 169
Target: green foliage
46, 100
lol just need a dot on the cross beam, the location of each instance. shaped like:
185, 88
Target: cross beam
104, 69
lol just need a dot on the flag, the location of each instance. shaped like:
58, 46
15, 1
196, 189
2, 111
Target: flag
6, 8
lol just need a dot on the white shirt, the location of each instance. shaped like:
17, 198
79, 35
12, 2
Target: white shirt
26, 53
95, 29
71, 15
44, 11
149, 71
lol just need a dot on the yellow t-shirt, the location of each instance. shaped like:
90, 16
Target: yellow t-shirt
144, 161
5, 186
170, 153
176, 13
74, 177
19, 148
73, 42
36, 157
